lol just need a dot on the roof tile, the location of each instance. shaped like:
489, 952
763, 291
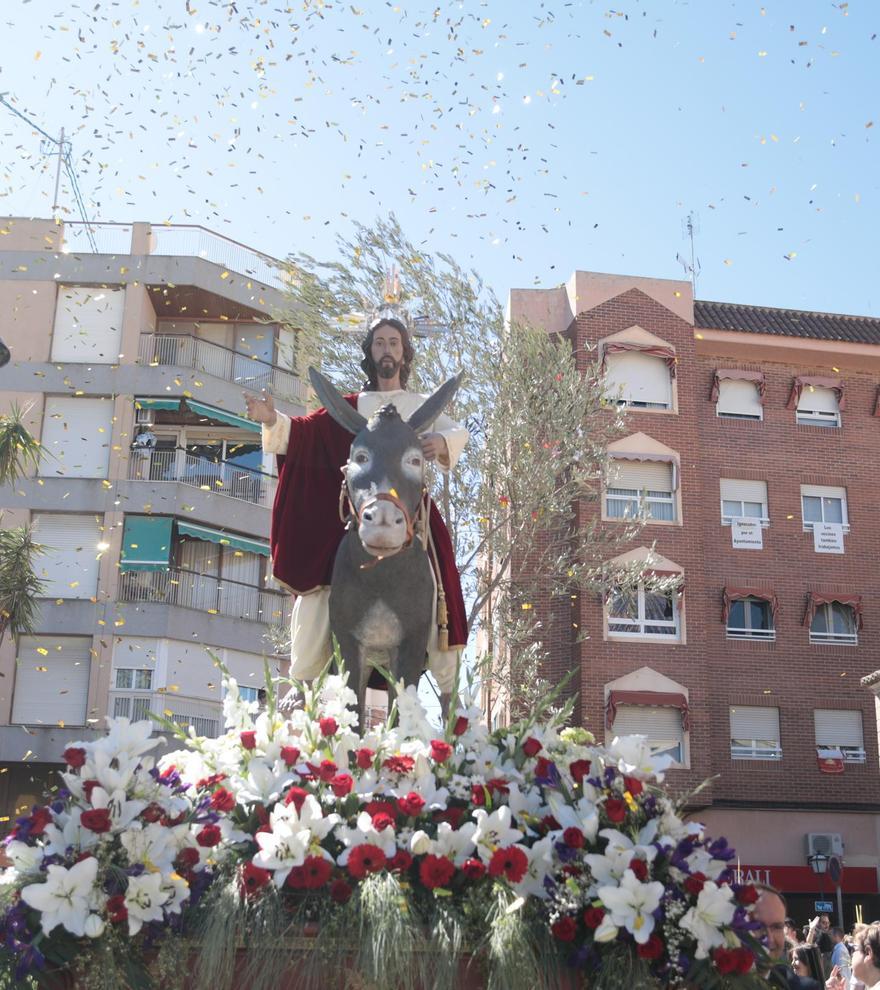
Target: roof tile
786, 322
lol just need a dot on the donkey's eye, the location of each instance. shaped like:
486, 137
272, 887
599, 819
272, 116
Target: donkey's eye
361, 457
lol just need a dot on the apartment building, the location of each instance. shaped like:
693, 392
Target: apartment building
753, 446
131, 345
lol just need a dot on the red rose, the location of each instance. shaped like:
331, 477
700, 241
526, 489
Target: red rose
593, 916
412, 804
96, 820
640, 869
209, 836
296, 796
550, 824
652, 949
252, 879
461, 726
342, 784
400, 862
725, 961
542, 767
436, 871
573, 838
478, 795
340, 891
215, 778
39, 820
510, 862
364, 758
635, 787
615, 809
222, 800
152, 813
374, 808
440, 751
578, 770
745, 959
531, 747
329, 726
498, 784
747, 894
382, 820
473, 869
451, 815
187, 858
88, 787
564, 929
365, 859
694, 883
399, 764
74, 756
248, 739
290, 754
116, 909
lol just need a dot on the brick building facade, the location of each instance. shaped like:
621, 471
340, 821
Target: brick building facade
757, 429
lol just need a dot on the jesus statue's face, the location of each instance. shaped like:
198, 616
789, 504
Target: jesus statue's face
387, 351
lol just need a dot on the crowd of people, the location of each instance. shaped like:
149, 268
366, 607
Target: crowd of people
819, 955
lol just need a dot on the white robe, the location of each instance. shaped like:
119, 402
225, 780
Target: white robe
310, 622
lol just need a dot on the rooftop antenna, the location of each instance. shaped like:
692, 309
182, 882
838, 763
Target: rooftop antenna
63, 148
690, 227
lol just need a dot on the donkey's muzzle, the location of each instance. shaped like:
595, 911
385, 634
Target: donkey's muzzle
384, 525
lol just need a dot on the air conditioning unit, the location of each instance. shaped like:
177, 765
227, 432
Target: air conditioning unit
145, 417
826, 843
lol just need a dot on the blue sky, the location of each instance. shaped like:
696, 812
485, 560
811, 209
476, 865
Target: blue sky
528, 139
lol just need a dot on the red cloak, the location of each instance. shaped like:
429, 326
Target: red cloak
307, 530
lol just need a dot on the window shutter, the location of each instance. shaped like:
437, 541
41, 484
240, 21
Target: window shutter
655, 723
838, 728
88, 324
58, 693
655, 476
642, 377
739, 398
286, 348
76, 434
744, 491
71, 557
754, 723
816, 399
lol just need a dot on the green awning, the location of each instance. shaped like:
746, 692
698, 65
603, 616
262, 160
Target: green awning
143, 403
146, 543
222, 416
225, 539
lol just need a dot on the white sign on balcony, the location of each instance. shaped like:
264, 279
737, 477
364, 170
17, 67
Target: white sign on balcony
746, 534
828, 537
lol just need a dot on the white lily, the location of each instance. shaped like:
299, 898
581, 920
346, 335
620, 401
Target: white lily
715, 907
494, 830
366, 834
634, 758
632, 904
583, 814
541, 865
152, 845
64, 899
122, 811
127, 739
293, 834
25, 858
456, 844
144, 899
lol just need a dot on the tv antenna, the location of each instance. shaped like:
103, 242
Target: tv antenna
690, 227
61, 147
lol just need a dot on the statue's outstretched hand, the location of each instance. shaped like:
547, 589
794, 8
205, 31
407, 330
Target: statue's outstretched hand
434, 447
261, 408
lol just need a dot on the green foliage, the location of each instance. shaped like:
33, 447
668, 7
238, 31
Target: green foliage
19, 452
19, 584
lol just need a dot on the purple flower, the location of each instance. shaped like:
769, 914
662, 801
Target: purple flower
609, 775
551, 776
719, 849
565, 853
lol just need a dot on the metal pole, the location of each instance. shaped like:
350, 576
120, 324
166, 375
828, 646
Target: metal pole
58, 172
840, 906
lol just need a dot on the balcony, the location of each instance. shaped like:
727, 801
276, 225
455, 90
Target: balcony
187, 351
222, 477
204, 593
206, 717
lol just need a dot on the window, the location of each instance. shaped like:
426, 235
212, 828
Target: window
738, 400
639, 380
824, 504
641, 485
133, 679
69, 566
638, 612
76, 435
834, 622
754, 733
750, 618
661, 725
88, 324
840, 730
51, 680
743, 500
818, 407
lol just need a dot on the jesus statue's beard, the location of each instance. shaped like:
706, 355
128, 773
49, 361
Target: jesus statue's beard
387, 367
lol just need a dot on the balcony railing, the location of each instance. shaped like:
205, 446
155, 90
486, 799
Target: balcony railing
181, 240
189, 589
186, 351
204, 716
223, 477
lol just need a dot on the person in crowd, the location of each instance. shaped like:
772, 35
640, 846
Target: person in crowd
807, 962
770, 913
865, 962
791, 932
840, 953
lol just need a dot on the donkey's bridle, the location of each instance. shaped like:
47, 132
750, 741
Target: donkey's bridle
345, 494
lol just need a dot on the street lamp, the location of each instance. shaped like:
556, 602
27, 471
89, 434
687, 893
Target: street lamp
4, 354
819, 865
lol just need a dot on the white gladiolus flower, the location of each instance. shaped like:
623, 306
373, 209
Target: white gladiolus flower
632, 904
65, 897
714, 908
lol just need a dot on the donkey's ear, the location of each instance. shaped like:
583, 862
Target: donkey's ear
347, 416
431, 408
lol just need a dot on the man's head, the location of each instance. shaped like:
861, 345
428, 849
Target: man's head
388, 352
824, 922
836, 934
770, 912
791, 932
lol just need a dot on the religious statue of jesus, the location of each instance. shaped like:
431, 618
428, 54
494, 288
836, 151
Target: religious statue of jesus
307, 527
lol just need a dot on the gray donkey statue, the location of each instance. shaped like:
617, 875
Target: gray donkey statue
382, 587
